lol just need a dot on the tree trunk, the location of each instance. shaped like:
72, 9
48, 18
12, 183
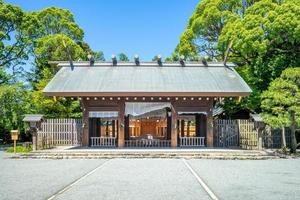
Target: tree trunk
283, 137
293, 133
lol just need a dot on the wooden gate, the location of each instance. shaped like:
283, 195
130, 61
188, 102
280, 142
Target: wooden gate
235, 133
57, 132
226, 133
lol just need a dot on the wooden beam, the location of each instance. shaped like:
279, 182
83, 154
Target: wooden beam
210, 126
85, 121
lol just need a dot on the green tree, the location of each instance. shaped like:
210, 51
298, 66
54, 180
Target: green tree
4, 77
123, 57
16, 29
44, 35
205, 27
14, 103
52, 48
265, 40
57, 21
281, 102
174, 57
262, 37
59, 37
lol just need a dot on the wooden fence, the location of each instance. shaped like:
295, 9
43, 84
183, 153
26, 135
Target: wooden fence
226, 133
244, 134
272, 138
235, 133
248, 134
57, 132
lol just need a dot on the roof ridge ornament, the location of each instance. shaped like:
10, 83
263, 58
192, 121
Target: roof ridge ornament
91, 59
159, 62
114, 60
204, 61
181, 60
136, 60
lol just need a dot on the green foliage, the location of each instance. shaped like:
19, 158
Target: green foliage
282, 98
205, 27
4, 77
59, 36
19, 149
281, 102
41, 36
14, 103
52, 47
123, 57
173, 58
265, 39
98, 55
57, 21
15, 34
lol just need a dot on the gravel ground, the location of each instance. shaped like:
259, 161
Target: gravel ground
247, 179
148, 179
39, 179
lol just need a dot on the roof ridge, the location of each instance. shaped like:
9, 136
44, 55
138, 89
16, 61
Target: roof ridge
141, 64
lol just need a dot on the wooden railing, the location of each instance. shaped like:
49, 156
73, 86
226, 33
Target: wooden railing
148, 143
192, 141
103, 141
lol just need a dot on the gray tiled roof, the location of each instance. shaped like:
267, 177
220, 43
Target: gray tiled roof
33, 118
146, 78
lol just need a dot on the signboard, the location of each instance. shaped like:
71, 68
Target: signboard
14, 134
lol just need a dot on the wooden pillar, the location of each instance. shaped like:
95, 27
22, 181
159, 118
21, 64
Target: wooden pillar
126, 128
106, 129
169, 127
202, 125
174, 133
188, 128
113, 124
85, 121
210, 128
98, 127
197, 124
182, 128
121, 124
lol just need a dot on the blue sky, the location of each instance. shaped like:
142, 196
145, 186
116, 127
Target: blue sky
145, 27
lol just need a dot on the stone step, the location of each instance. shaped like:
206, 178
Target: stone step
175, 155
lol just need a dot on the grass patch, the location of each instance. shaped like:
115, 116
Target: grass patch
19, 149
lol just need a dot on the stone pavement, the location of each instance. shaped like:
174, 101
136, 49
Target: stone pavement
148, 179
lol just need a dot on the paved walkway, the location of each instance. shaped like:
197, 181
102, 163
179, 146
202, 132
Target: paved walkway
90, 149
149, 179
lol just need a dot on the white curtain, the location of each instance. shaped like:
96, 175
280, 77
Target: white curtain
141, 109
